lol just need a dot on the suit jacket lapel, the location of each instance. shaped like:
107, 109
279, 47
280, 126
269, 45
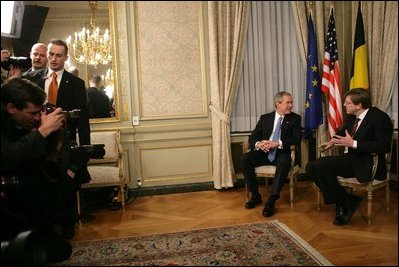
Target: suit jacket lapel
43, 78
285, 123
64, 84
364, 123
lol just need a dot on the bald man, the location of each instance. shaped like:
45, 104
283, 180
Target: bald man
38, 54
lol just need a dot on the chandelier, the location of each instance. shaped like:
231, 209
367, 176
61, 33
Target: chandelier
89, 46
108, 78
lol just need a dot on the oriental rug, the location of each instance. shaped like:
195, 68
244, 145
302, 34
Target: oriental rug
261, 243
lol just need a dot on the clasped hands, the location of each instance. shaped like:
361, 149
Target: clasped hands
267, 145
346, 141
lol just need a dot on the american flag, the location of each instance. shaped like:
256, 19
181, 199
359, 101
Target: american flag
331, 84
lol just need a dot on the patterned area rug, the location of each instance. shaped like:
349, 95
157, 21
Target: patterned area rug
266, 243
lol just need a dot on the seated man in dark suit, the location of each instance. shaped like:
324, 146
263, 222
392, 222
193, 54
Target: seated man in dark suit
270, 144
368, 130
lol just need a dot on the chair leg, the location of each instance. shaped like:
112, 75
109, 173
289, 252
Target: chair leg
387, 198
246, 191
369, 206
78, 207
318, 200
292, 191
122, 192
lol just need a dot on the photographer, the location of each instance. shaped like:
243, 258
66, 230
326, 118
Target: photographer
30, 198
15, 66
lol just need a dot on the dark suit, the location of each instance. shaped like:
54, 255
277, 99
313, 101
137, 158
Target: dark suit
36, 202
374, 135
71, 95
98, 103
291, 134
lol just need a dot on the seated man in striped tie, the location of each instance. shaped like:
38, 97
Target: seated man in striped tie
368, 130
270, 144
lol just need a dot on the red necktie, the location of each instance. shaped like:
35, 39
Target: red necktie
53, 89
354, 127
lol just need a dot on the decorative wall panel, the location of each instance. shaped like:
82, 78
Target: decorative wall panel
185, 164
169, 59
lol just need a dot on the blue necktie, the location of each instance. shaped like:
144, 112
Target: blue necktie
275, 137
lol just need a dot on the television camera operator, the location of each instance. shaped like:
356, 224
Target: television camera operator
37, 188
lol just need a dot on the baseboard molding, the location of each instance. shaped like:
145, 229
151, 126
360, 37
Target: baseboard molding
206, 186
172, 189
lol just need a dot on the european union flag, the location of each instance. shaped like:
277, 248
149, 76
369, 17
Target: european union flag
313, 108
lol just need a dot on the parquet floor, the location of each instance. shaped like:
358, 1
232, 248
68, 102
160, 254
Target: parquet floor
355, 244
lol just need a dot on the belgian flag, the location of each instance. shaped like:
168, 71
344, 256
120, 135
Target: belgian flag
359, 72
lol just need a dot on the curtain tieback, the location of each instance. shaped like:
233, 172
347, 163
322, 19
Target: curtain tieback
222, 116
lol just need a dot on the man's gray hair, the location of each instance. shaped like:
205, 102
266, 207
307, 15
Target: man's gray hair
279, 97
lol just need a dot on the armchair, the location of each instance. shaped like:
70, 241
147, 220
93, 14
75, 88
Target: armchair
353, 184
268, 171
108, 171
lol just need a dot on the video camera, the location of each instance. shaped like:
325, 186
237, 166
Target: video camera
24, 63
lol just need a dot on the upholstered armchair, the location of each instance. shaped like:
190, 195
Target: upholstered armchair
268, 171
108, 171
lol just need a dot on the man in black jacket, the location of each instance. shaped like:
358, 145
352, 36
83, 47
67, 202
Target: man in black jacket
98, 101
71, 89
31, 200
368, 130
270, 144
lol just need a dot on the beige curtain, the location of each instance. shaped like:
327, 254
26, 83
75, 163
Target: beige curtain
271, 64
381, 29
227, 32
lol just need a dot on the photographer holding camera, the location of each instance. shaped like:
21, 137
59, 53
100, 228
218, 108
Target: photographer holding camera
13, 65
30, 197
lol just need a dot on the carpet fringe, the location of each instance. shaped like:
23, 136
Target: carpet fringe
312, 251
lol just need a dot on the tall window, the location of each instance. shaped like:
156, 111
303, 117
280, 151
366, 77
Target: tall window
271, 64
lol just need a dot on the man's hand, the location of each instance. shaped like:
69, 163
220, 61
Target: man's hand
5, 55
267, 145
14, 72
346, 140
327, 145
51, 122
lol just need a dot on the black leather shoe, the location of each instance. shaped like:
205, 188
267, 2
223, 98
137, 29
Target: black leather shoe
68, 231
344, 212
353, 202
340, 215
268, 210
253, 202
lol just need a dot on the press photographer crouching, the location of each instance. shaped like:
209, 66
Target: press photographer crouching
38, 187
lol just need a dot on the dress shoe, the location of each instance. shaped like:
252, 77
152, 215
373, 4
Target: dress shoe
268, 210
340, 215
68, 231
345, 211
253, 202
58, 249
